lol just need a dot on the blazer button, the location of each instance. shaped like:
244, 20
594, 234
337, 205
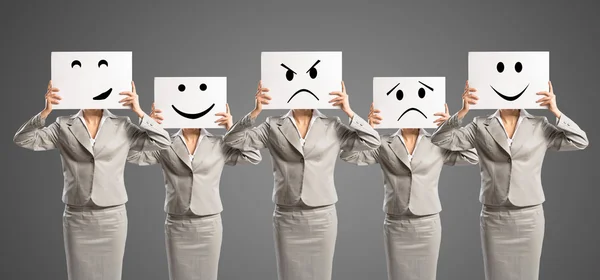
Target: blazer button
92, 160
509, 160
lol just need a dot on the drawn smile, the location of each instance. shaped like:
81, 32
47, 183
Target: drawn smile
302, 90
510, 98
103, 95
411, 109
193, 116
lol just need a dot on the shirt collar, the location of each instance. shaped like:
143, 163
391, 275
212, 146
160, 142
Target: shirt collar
522, 114
398, 133
315, 113
105, 114
203, 132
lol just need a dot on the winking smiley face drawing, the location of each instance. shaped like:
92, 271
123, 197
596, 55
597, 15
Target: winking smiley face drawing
190, 102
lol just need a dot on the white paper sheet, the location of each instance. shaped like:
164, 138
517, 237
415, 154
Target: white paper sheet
508, 80
190, 102
409, 102
91, 80
301, 80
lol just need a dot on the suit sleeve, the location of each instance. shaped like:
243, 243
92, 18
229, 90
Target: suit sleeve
242, 136
358, 136
565, 135
234, 156
465, 157
34, 136
451, 136
143, 158
361, 158
148, 136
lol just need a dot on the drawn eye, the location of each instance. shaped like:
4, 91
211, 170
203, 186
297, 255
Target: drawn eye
421, 92
289, 75
518, 67
102, 62
181, 88
399, 94
312, 72
75, 63
203, 87
500, 67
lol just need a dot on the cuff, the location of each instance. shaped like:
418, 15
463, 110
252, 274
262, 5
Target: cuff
563, 121
146, 122
38, 121
358, 122
454, 121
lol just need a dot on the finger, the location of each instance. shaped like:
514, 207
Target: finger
337, 99
157, 111
446, 106
54, 89
264, 102
376, 122
265, 90
49, 84
259, 85
439, 114
158, 121
132, 86
221, 114
126, 99
266, 96
54, 95
343, 87
550, 86
472, 90
543, 93
159, 117
126, 93
372, 109
227, 108
221, 120
336, 104
472, 102
377, 117
376, 111
54, 102
542, 99
474, 96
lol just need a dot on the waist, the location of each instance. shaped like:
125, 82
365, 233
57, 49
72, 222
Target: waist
410, 216
191, 216
93, 208
510, 208
303, 207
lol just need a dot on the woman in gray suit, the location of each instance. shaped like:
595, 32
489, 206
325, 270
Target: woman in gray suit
193, 229
411, 167
93, 146
304, 146
511, 145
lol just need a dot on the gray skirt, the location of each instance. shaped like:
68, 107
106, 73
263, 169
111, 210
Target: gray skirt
512, 240
305, 242
193, 246
94, 240
412, 246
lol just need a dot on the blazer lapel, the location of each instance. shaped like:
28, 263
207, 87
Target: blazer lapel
181, 151
315, 135
105, 134
202, 151
421, 150
399, 150
494, 128
520, 137
78, 130
290, 133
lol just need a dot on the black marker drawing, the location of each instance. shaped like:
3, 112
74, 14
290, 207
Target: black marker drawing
192, 116
312, 72
518, 69
76, 62
103, 95
400, 96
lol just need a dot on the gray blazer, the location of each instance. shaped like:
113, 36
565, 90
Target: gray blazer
410, 185
511, 175
93, 175
194, 186
303, 174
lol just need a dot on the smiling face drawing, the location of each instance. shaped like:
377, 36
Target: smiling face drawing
408, 102
197, 115
508, 80
190, 102
301, 80
518, 68
88, 80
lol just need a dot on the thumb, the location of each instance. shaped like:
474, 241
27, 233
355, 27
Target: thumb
132, 86
227, 108
446, 105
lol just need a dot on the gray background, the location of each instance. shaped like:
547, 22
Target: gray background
221, 38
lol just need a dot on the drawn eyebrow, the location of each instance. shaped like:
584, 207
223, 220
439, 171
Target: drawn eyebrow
313, 65
430, 88
388, 93
288, 68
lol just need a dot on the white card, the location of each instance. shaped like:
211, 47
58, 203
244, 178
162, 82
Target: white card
190, 102
301, 80
91, 80
508, 80
409, 102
